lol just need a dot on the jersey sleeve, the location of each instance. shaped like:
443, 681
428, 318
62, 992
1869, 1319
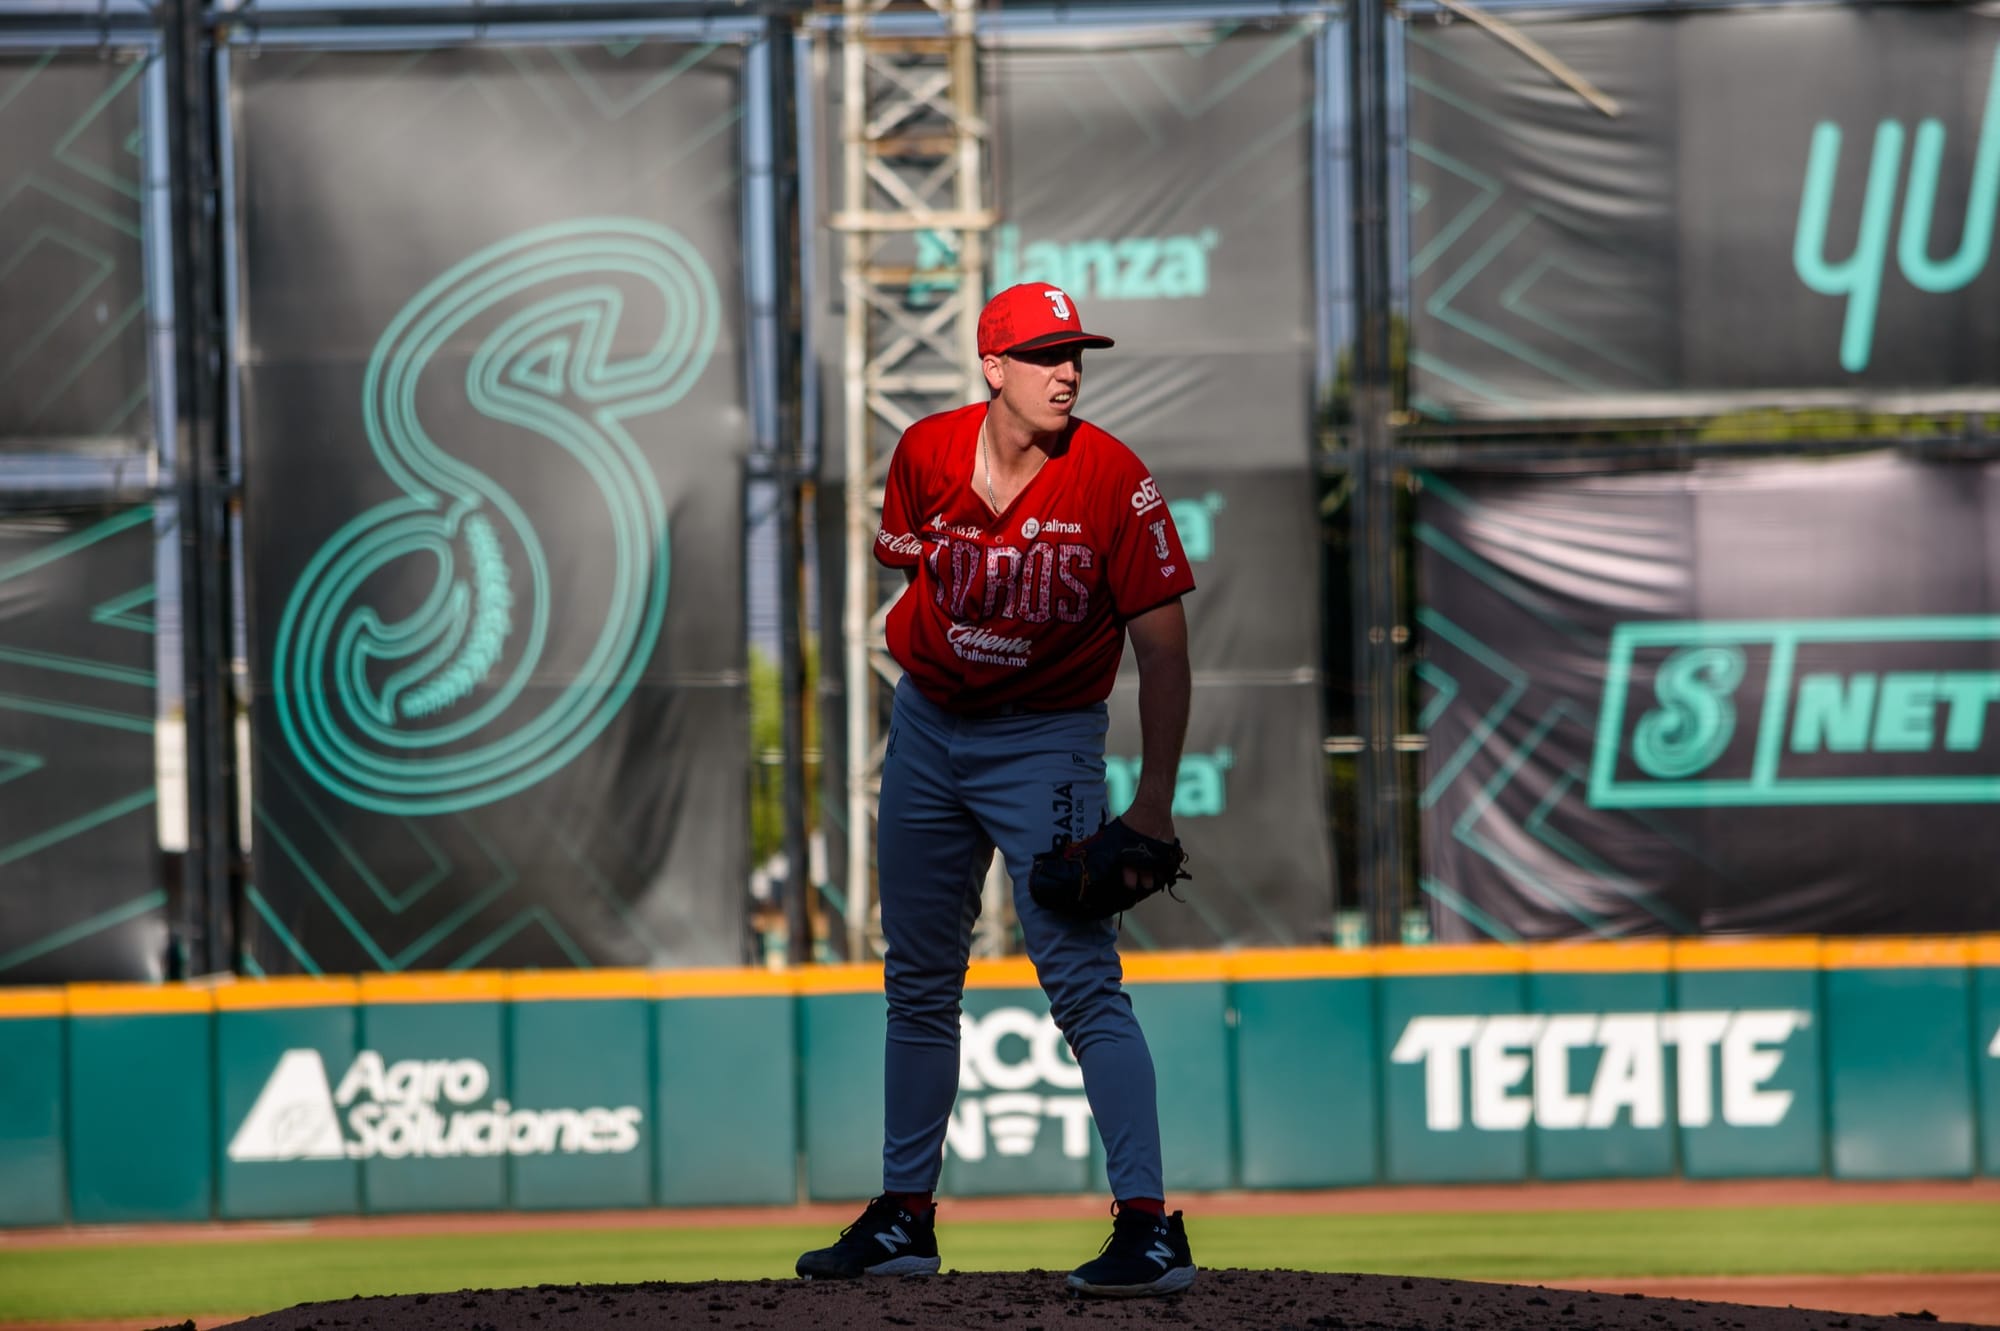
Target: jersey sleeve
898, 543
1146, 565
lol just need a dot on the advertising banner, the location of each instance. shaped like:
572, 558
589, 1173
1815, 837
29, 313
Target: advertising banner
72, 276
1748, 698
1249, 806
1163, 178
493, 428
1167, 186
1791, 204
80, 893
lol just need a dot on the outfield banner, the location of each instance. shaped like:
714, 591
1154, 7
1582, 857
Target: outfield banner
494, 419
80, 893
1207, 283
1208, 288
1253, 760
73, 336
1753, 698
1250, 807
1791, 204
1253, 540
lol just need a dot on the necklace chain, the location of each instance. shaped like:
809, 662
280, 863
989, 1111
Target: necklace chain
986, 456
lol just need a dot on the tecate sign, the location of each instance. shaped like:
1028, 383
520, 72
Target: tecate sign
414, 1108
1015, 1076
1520, 1068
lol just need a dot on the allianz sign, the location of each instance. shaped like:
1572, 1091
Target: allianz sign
1513, 1070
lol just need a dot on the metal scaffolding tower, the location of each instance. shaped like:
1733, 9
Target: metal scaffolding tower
914, 218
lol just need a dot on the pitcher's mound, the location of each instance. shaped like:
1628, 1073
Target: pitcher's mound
1037, 1301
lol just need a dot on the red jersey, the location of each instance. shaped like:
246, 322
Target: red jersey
1027, 606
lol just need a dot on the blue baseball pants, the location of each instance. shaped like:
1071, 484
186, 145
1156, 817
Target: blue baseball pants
954, 788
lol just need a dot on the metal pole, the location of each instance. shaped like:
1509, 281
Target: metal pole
785, 240
858, 574
1373, 510
200, 490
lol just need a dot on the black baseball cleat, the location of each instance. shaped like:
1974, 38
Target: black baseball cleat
886, 1241
1145, 1255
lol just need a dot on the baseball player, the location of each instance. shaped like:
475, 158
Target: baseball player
1035, 545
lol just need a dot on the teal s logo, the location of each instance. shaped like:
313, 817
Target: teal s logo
1859, 276
1800, 711
443, 699
1695, 719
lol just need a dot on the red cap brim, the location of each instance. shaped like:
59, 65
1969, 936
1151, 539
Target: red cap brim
1061, 338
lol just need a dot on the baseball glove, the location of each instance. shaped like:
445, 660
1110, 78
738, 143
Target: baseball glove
1086, 878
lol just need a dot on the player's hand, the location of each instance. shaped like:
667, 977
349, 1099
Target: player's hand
1150, 820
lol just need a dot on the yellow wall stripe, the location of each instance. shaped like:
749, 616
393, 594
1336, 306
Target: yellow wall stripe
1451, 959
847, 979
1301, 963
1002, 973
1746, 954
1591, 958
1882, 953
434, 987
536, 986
31, 1003
1176, 967
731, 983
1255, 964
117, 1000
291, 991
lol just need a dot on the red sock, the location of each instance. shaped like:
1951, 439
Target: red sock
916, 1203
1150, 1205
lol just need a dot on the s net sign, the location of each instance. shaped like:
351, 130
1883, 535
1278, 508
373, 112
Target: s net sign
1836, 711
413, 1109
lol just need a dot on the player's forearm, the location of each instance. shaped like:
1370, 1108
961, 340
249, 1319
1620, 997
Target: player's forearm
1166, 688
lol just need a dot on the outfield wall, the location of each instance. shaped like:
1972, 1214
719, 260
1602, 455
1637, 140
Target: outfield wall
1856, 1059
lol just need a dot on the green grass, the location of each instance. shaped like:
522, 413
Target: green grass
176, 1280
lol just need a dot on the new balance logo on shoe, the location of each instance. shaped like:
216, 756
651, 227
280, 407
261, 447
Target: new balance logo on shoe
1145, 1256
885, 1241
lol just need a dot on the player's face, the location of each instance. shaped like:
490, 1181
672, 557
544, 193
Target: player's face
1039, 388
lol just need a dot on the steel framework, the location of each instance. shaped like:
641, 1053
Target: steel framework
913, 219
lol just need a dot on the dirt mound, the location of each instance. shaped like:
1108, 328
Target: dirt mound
1037, 1301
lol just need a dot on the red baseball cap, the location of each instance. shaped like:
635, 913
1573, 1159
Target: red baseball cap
1031, 316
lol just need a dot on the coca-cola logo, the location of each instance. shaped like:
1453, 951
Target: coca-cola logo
901, 543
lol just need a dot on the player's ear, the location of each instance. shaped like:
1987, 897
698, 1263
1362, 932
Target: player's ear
995, 373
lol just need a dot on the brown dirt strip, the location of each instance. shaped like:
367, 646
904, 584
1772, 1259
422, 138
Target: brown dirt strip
1950, 1297
1594, 1195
